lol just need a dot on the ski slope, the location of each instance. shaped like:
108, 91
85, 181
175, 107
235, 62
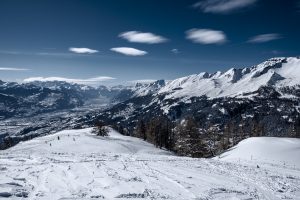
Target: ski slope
74, 164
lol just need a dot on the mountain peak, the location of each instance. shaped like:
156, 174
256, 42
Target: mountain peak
158, 83
233, 75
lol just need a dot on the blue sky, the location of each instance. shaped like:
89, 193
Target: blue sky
141, 39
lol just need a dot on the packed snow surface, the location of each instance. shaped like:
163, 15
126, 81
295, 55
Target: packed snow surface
75, 164
280, 151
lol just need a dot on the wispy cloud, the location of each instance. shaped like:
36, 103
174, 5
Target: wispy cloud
82, 50
175, 51
206, 36
11, 52
57, 54
276, 52
88, 81
140, 37
12, 69
144, 81
222, 6
128, 51
264, 38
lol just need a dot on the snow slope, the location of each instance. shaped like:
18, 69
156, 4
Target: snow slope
279, 151
277, 72
79, 165
82, 141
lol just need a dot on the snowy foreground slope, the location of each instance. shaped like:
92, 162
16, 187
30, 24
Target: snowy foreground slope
79, 165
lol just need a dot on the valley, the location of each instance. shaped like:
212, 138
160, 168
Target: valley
149, 100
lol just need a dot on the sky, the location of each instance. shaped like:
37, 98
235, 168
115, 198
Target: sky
121, 41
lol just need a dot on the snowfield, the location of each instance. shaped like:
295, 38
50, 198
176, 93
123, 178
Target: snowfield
74, 164
278, 151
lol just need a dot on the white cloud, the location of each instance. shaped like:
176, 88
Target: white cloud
12, 69
144, 81
175, 51
58, 54
82, 50
129, 51
276, 52
264, 38
88, 81
139, 37
206, 36
222, 6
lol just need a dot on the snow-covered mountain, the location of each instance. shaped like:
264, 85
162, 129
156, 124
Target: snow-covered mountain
44, 96
261, 100
27, 99
75, 164
240, 83
236, 82
266, 94
281, 74
141, 89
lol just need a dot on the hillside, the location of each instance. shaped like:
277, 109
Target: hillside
278, 151
74, 164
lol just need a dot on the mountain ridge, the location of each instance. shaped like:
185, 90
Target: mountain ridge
235, 82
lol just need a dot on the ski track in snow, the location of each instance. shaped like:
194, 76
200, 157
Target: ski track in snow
82, 166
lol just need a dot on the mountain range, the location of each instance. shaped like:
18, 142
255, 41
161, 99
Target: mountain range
267, 93
223, 107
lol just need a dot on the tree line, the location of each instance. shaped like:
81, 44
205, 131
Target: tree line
188, 137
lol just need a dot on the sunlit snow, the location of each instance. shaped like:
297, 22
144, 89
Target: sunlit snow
75, 164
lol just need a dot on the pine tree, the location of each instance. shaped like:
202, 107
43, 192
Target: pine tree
187, 139
226, 137
297, 127
101, 129
150, 131
141, 130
